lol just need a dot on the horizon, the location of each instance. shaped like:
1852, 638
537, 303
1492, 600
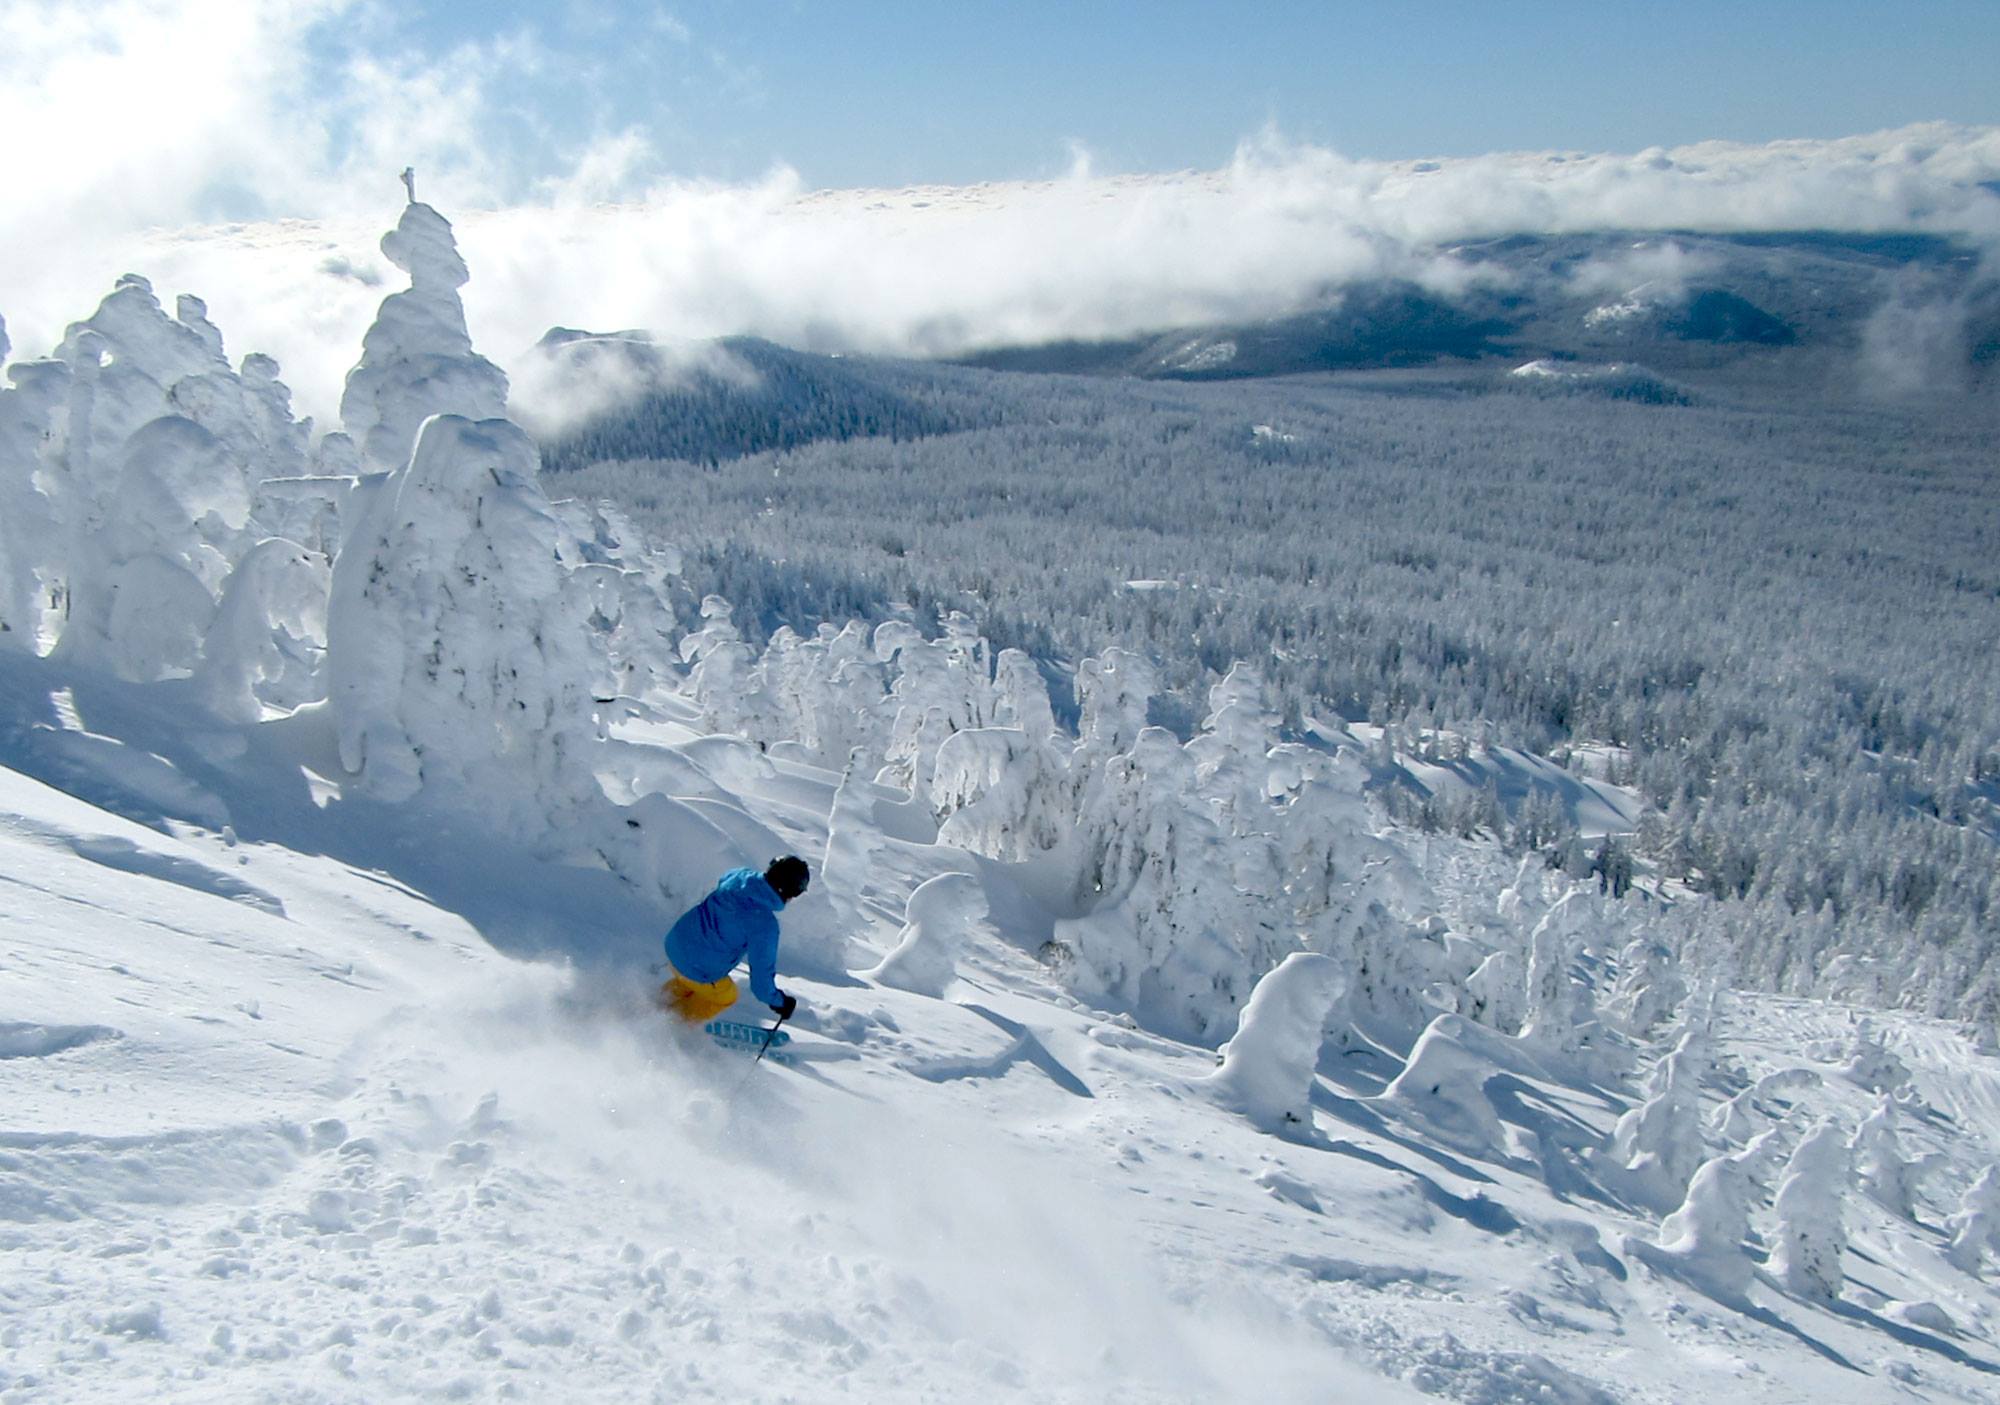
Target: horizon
697, 170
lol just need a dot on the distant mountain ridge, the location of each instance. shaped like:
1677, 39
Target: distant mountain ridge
1911, 310
738, 396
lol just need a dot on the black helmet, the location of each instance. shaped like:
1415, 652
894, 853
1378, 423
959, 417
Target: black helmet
788, 876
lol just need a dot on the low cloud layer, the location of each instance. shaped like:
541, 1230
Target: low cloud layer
923, 271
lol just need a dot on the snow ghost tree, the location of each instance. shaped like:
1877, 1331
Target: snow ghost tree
1649, 987
941, 916
1495, 994
261, 646
1878, 1159
1871, 1064
721, 673
1021, 698
417, 359
143, 445
1000, 793
942, 688
1230, 754
143, 592
1164, 931
1268, 1065
631, 598
1112, 691
1554, 997
1811, 1237
1975, 1225
1657, 1145
456, 645
1703, 1239
1444, 1085
852, 840
27, 517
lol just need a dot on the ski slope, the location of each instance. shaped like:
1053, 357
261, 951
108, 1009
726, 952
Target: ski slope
292, 1121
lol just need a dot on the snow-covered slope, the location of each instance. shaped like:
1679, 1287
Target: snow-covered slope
1127, 1068
277, 1124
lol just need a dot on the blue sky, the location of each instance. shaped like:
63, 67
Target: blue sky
901, 91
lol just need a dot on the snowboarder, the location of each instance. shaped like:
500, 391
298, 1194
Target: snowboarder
738, 919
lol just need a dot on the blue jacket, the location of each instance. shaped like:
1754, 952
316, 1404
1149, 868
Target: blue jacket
738, 919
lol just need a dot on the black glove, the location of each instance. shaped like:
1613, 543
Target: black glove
786, 1004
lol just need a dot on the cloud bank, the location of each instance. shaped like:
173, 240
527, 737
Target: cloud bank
579, 235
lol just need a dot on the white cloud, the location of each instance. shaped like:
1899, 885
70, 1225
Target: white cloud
1657, 269
149, 115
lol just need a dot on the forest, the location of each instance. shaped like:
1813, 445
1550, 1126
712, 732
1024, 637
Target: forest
1776, 610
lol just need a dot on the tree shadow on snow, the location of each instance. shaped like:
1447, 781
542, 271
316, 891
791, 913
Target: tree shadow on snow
1477, 1211
1356, 1114
1565, 1140
1911, 1336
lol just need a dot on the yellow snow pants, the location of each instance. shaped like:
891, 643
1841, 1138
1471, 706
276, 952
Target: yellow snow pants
696, 1001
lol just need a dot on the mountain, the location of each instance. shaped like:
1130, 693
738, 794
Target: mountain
1666, 313
1673, 302
721, 400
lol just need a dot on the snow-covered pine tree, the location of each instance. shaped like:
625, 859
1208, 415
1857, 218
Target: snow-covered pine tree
1811, 1235
417, 359
1888, 1179
1975, 1225
1657, 1145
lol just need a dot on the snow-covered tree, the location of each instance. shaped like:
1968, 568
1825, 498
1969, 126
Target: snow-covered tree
942, 688
1556, 1000
998, 792
1744, 1115
1975, 1225
1230, 754
417, 359
1810, 1235
1444, 1084
1495, 994
1877, 1155
630, 585
853, 838
1704, 1238
1268, 1064
456, 646
1163, 930
27, 517
942, 914
266, 642
1657, 1145
1021, 698
144, 581
1649, 986
1873, 1065
722, 675
1112, 692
